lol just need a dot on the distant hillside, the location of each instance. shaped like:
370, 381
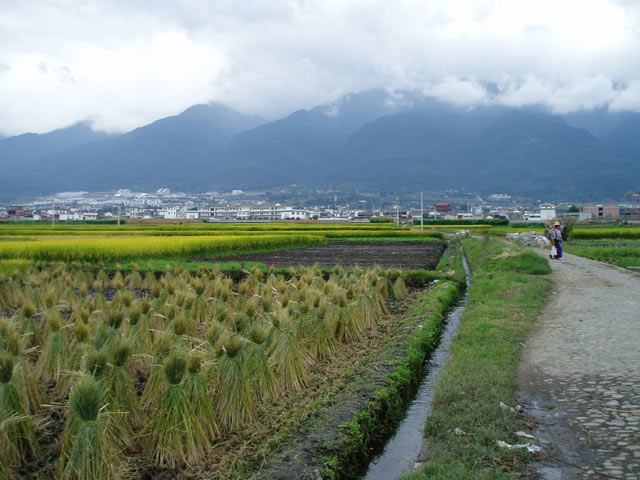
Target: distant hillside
16, 153
299, 148
515, 152
545, 157
368, 141
162, 153
624, 140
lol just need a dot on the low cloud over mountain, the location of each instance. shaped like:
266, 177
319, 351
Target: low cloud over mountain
372, 140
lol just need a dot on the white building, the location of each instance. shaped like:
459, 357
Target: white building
530, 216
192, 214
250, 212
547, 212
173, 212
291, 213
134, 212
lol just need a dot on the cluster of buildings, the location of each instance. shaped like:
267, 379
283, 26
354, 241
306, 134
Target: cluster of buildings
236, 206
211, 213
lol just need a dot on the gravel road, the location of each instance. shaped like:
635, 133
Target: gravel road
580, 373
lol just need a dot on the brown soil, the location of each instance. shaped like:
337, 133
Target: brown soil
404, 255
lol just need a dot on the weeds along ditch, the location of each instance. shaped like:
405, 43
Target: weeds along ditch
111, 374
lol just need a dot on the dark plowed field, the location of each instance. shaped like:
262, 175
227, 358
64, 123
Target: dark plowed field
403, 255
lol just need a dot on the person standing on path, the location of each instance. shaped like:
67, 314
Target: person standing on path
556, 239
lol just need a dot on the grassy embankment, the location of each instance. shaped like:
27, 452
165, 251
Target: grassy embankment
507, 295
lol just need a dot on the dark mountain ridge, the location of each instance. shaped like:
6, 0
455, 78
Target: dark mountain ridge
161, 153
18, 151
371, 140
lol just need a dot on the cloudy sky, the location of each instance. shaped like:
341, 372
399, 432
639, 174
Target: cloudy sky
125, 63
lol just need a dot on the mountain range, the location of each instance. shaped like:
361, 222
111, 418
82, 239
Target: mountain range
370, 141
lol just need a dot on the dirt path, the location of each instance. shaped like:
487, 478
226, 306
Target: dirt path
580, 373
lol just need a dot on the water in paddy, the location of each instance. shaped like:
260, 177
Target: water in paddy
401, 450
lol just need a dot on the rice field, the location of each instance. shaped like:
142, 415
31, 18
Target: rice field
107, 376
615, 255
615, 245
114, 249
9, 228
605, 233
108, 243
112, 373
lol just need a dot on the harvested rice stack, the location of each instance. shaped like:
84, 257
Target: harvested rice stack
169, 365
16, 434
91, 455
175, 433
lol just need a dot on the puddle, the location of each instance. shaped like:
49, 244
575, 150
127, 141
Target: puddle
401, 450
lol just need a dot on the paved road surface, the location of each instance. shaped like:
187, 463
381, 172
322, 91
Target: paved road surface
580, 373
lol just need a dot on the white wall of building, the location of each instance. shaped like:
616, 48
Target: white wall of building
547, 213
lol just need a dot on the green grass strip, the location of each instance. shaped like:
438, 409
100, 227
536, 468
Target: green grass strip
506, 297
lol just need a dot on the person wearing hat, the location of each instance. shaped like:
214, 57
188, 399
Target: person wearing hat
556, 239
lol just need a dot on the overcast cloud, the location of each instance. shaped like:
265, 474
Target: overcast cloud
124, 63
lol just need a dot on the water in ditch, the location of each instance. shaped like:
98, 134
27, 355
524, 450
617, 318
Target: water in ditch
401, 450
